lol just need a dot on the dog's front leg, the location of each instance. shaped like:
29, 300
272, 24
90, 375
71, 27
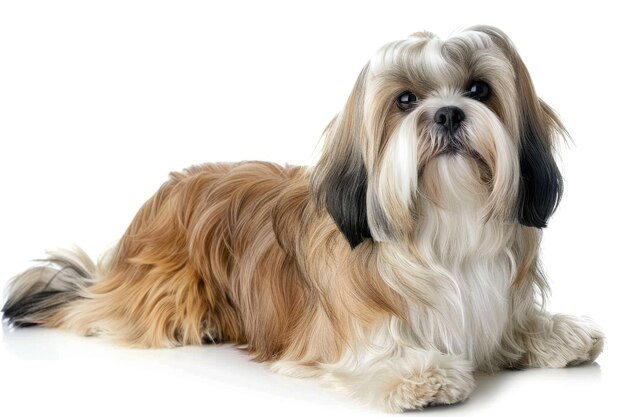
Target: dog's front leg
556, 341
401, 378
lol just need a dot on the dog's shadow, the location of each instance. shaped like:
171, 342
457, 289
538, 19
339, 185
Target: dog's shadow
232, 366
490, 387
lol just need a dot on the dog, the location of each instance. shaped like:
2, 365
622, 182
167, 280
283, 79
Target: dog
405, 260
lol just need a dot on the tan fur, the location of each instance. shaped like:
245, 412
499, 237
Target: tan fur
214, 254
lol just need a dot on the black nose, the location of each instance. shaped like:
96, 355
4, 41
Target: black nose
449, 117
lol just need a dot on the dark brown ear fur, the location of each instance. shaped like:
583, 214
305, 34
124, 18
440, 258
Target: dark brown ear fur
340, 178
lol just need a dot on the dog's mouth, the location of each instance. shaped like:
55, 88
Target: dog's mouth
453, 144
445, 143
452, 148
457, 147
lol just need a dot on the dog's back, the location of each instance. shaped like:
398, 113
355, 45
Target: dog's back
172, 277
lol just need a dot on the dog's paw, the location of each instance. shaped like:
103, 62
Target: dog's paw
564, 341
591, 346
435, 385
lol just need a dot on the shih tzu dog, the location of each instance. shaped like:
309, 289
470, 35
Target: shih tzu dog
402, 262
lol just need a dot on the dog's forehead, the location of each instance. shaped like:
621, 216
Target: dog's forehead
429, 58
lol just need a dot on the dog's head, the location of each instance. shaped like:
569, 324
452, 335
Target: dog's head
418, 106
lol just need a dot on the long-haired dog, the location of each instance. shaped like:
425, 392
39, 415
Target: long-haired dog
405, 260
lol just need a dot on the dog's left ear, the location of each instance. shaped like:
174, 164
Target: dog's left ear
541, 184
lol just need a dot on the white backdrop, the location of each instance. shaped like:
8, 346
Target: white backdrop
100, 100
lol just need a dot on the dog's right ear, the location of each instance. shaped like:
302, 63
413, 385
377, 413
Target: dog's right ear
339, 180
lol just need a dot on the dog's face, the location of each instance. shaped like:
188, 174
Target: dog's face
425, 111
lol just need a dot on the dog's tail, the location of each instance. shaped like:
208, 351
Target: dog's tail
42, 294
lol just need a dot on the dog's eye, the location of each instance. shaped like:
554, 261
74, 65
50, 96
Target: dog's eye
479, 90
406, 101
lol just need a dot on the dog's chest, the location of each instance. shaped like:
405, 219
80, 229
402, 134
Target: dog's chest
484, 284
469, 302
470, 269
